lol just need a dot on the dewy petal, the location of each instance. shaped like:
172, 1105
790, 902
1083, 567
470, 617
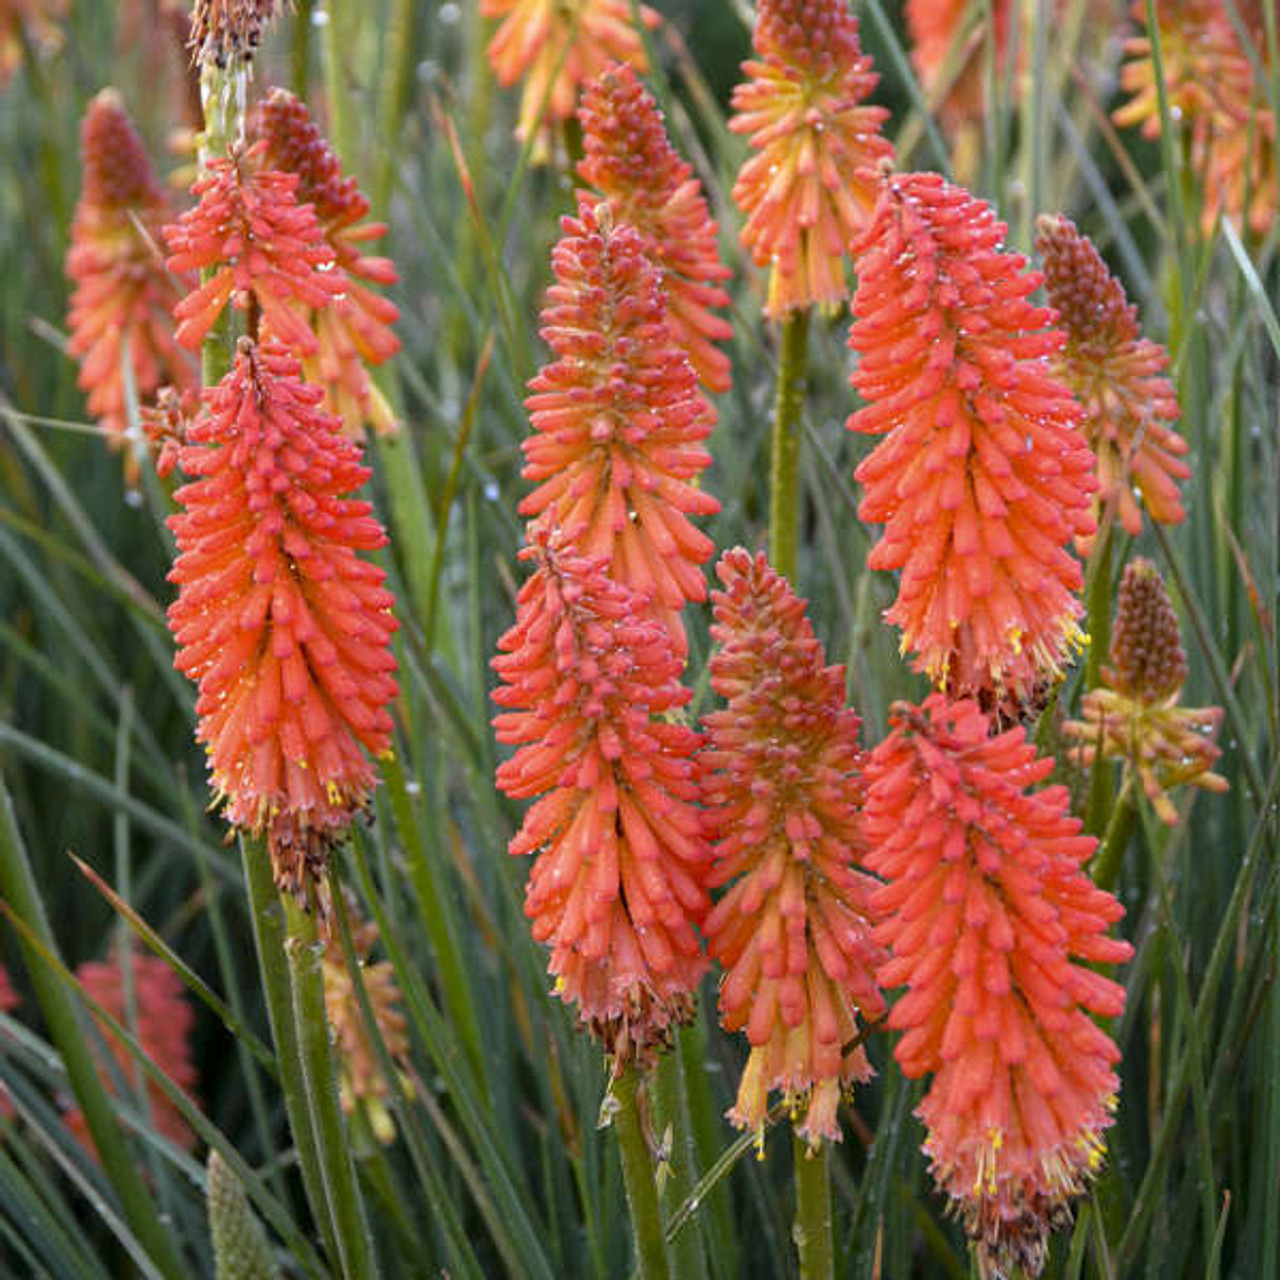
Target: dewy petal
285, 628
983, 474
989, 915
782, 788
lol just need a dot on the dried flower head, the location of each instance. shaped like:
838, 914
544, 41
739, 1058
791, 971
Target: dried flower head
27, 23
163, 1029
119, 320
629, 161
261, 247
286, 629
227, 32
983, 474
353, 328
618, 419
992, 923
556, 46
590, 678
803, 109
1134, 715
783, 791
1115, 374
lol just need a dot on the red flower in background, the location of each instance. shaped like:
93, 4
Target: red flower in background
989, 916
590, 677
163, 1029
263, 248
983, 474
9, 1001
120, 313
947, 52
286, 629
802, 108
618, 419
353, 327
1115, 374
630, 162
783, 791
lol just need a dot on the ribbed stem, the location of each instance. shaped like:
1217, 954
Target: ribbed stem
222, 93
671, 1121
1124, 817
638, 1175
336, 43
784, 469
1101, 790
300, 60
397, 61
813, 1230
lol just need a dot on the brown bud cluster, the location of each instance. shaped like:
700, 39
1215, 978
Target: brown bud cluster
1148, 661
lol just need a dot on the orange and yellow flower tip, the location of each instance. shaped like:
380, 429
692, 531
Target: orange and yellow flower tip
992, 923
354, 327
120, 309
1134, 715
983, 474
1115, 374
26, 23
782, 788
618, 419
285, 628
556, 46
629, 161
164, 1020
589, 679
260, 248
228, 32
803, 109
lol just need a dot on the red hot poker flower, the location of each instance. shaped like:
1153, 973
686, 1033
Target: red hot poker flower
589, 677
630, 162
1115, 374
261, 246
618, 418
354, 328
989, 915
282, 624
782, 787
803, 110
983, 474
123, 298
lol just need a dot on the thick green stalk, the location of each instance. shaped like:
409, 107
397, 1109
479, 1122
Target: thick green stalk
671, 1123
813, 1229
784, 470
64, 1023
336, 43
1124, 817
397, 74
300, 54
1101, 790
638, 1175
222, 93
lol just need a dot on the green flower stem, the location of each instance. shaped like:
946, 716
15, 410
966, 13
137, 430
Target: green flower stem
221, 97
813, 1231
300, 53
397, 58
1124, 817
784, 472
638, 1175
336, 44
671, 1122
64, 1022
1101, 790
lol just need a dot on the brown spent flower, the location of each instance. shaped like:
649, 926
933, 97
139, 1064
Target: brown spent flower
226, 32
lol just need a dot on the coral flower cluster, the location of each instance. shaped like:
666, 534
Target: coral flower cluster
618, 419
1116, 375
803, 108
353, 328
285, 627
983, 474
629, 161
589, 679
164, 1020
556, 46
989, 917
119, 321
783, 794
1134, 714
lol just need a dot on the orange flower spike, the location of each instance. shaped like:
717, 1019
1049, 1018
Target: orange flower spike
558, 45
630, 162
122, 294
164, 1023
1134, 715
284, 627
992, 923
588, 679
354, 329
618, 420
983, 474
1115, 374
782, 788
262, 247
802, 107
